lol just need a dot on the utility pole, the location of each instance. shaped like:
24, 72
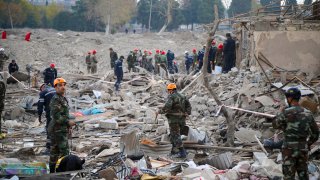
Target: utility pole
150, 13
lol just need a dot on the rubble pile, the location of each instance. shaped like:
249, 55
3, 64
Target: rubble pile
119, 134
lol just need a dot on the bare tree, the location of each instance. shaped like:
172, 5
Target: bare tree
168, 15
113, 12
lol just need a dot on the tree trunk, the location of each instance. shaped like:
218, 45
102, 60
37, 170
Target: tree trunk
9, 10
192, 26
108, 25
149, 27
230, 122
169, 17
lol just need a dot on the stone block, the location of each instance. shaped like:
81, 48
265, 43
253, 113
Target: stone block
161, 130
108, 124
291, 28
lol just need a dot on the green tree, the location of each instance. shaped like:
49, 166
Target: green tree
206, 11
239, 7
190, 11
307, 2
274, 7
291, 2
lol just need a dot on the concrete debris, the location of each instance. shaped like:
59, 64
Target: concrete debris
119, 134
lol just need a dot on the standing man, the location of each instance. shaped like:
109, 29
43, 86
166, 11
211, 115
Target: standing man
175, 67
113, 57
170, 58
200, 58
94, 62
60, 125
177, 108
2, 98
229, 52
119, 72
135, 58
50, 74
212, 56
46, 94
144, 59
195, 58
88, 62
163, 61
3, 58
130, 61
300, 132
188, 61
157, 61
13, 67
219, 55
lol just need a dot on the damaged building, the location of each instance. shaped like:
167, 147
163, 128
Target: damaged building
121, 136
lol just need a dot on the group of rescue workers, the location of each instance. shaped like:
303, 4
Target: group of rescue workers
298, 125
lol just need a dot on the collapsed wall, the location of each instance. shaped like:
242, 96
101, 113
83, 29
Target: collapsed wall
288, 44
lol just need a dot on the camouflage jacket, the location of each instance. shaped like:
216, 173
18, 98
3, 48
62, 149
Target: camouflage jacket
88, 59
163, 59
195, 58
157, 58
93, 59
176, 107
299, 127
113, 57
130, 59
59, 109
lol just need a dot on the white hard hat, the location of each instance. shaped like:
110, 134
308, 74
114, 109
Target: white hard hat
186, 52
1, 49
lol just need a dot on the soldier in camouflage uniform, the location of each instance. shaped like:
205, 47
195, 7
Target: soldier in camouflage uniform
176, 109
113, 57
88, 62
2, 97
3, 58
130, 61
300, 132
60, 125
157, 61
94, 62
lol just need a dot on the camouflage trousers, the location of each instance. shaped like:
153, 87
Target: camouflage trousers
94, 69
88, 68
131, 67
175, 135
294, 160
59, 147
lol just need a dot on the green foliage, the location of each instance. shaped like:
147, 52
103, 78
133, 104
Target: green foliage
187, 12
206, 11
239, 7
291, 2
275, 7
307, 2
